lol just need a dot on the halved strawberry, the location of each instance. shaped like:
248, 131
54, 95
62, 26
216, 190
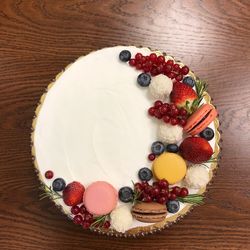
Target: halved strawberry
196, 150
181, 94
73, 193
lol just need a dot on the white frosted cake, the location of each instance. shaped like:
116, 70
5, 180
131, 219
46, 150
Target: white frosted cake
112, 163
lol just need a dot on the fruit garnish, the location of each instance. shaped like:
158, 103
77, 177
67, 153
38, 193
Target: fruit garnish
173, 206
75, 210
125, 55
189, 81
151, 157
144, 79
195, 149
172, 148
183, 95
73, 193
195, 199
157, 148
145, 174
126, 194
49, 174
58, 184
207, 134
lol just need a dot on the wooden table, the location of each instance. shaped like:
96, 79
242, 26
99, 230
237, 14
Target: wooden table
39, 38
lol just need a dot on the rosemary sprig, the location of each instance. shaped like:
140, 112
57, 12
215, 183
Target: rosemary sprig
195, 199
136, 195
49, 192
99, 221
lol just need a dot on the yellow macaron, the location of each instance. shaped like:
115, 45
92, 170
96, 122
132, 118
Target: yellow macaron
169, 166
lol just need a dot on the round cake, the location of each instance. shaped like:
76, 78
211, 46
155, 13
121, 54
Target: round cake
125, 140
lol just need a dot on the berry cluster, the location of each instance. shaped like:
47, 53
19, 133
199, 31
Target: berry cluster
169, 113
159, 191
156, 65
86, 219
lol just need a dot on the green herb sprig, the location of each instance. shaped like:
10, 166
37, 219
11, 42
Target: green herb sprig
99, 221
49, 192
195, 199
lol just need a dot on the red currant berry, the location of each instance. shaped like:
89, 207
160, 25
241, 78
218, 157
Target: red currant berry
172, 196
163, 109
183, 112
176, 68
88, 217
106, 224
152, 57
174, 112
85, 224
148, 189
163, 184
183, 192
138, 66
156, 184
77, 219
157, 114
171, 75
172, 106
143, 59
138, 187
75, 210
155, 191
144, 184
164, 192
176, 190
146, 68
151, 157
182, 122
161, 200
184, 70
179, 78
151, 111
132, 62
167, 69
159, 69
138, 56
147, 198
147, 58
49, 174
158, 104
173, 121
170, 62
160, 59
83, 209
154, 71
166, 118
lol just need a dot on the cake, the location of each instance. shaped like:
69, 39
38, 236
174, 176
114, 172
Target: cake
125, 140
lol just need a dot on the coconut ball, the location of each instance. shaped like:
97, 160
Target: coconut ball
170, 134
121, 218
160, 87
197, 176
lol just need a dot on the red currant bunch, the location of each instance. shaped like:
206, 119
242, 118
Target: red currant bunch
169, 113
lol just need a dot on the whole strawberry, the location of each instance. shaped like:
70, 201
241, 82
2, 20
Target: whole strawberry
73, 193
195, 150
182, 94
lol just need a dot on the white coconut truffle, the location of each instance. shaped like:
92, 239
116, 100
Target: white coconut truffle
160, 87
121, 218
197, 176
170, 134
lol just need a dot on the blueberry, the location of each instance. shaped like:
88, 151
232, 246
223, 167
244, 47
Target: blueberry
157, 148
58, 184
145, 174
173, 148
125, 55
189, 81
207, 134
173, 206
144, 79
126, 194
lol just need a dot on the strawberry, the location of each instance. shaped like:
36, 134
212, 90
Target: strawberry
196, 150
182, 95
73, 193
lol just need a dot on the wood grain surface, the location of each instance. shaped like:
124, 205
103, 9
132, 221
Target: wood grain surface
38, 38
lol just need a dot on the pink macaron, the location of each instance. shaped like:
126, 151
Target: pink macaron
100, 198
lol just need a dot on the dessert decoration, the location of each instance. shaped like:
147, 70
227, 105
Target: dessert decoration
73, 193
121, 218
179, 106
207, 134
200, 119
173, 206
169, 166
100, 198
126, 194
149, 212
145, 174
197, 176
169, 134
160, 87
196, 149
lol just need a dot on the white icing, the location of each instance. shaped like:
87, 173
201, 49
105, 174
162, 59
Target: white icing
93, 124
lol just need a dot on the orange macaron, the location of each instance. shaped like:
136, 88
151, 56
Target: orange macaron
199, 120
